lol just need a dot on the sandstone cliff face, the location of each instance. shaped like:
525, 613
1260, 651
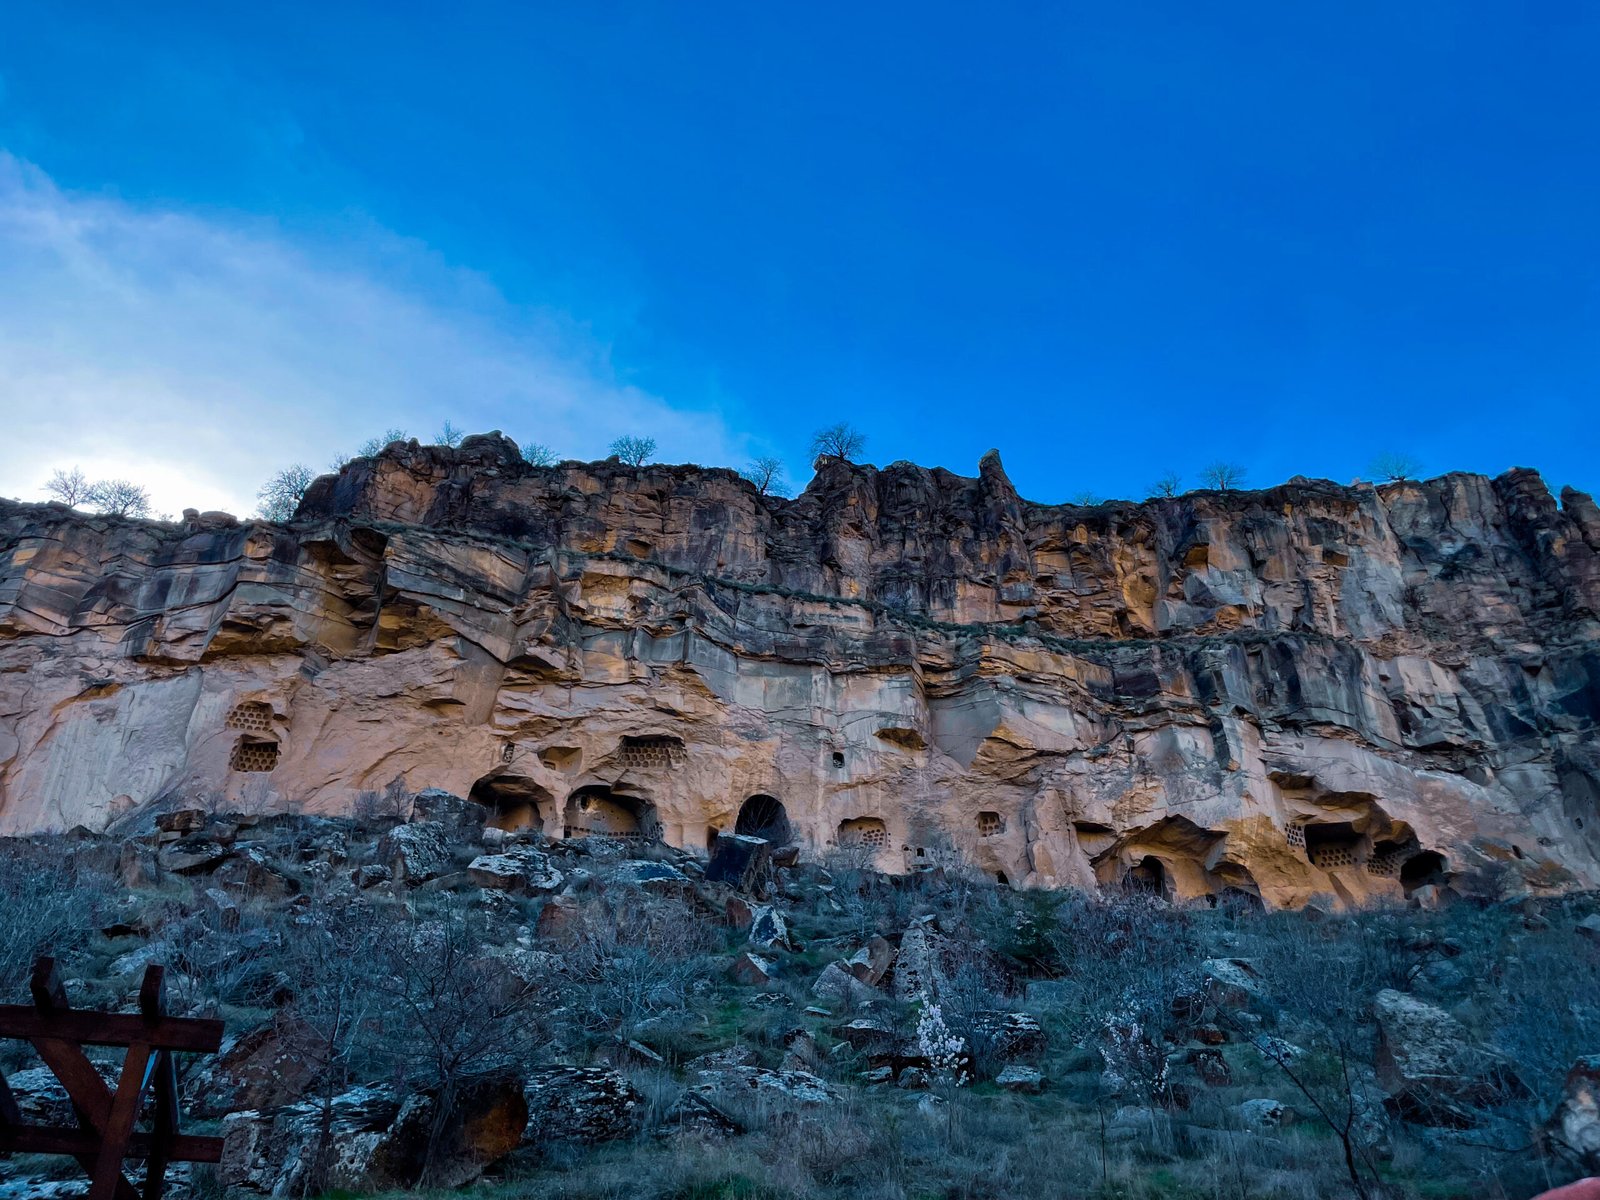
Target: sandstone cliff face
1307, 691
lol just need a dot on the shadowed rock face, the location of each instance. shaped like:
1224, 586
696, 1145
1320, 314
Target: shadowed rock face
1309, 690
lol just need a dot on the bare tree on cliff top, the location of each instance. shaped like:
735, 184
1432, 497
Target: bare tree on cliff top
1223, 476
635, 451
374, 446
1168, 486
120, 498
72, 488
1393, 467
537, 454
767, 475
280, 496
838, 441
449, 435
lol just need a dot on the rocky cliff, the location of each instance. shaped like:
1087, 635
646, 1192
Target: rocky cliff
1310, 690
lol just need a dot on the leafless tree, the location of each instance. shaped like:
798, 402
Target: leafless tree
838, 441
1086, 499
767, 475
374, 446
1223, 476
635, 451
1167, 486
280, 496
332, 956
1394, 467
449, 435
458, 1010
120, 498
537, 454
70, 487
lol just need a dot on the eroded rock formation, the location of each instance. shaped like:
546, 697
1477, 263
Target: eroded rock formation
1312, 690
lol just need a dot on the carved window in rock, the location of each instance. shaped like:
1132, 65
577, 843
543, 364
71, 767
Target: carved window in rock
645, 753
990, 823
254, 755
864, 831
1332, 847
1295, 835
251, 715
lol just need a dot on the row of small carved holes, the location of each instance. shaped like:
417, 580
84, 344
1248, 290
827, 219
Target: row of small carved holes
255, 756
1384, 864
1334, 856
250, 716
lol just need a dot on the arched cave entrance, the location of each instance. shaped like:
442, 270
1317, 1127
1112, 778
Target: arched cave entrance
1147, 877
763, 816
1423, 869
600, 812
514, 801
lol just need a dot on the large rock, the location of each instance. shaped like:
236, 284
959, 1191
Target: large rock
1429, 1065
581, 1104
743, 863
799, 1088
521, 869
416, 852
1573, 1130
280, 1152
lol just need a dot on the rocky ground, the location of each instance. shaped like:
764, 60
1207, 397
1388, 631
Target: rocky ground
415, 998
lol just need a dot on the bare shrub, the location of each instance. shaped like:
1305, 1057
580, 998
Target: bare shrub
633, 450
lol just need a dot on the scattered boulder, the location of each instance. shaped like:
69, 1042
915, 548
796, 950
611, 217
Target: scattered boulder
439, 807
1265, 1114
1573, 1130
1589, 927
697, 1115
275, 1152
485, 1122
416, 852
1427, 1064
871, 963
586, 1105
754, 970
1026, 1080
523, 870
743, 863
661, 878
1008, 1035
194, 856
836, 983
1231, 982
797, 1087
768, 928
867, 1036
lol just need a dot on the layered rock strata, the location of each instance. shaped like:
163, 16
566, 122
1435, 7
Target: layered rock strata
1308, 691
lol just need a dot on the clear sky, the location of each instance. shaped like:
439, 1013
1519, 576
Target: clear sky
1108, 239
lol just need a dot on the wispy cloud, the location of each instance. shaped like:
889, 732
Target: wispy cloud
197, 353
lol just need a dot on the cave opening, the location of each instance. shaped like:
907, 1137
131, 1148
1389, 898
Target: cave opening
597, 811
1420, 870
763, 816
514, 801
1148, 877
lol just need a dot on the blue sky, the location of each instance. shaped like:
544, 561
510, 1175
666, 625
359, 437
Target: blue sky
1107, 239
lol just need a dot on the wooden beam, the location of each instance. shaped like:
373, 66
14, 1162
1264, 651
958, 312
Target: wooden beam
111, 1029
49, 993
39, 1139
10, 1114
114, 1137
153, 993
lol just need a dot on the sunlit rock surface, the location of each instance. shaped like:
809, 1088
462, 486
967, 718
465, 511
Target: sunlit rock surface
1309, 691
